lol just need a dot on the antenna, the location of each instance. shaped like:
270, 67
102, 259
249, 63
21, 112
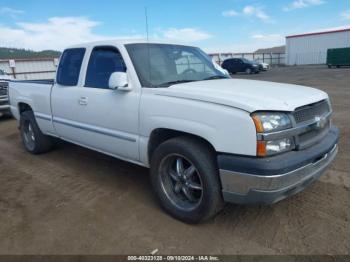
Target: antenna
146, 16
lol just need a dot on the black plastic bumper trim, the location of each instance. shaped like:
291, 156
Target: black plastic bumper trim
279, 164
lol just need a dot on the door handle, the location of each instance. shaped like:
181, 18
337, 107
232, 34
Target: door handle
83, 101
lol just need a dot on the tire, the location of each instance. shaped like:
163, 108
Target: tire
204, 203
248, 71
34, 141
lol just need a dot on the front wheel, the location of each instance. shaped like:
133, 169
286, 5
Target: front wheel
185, 179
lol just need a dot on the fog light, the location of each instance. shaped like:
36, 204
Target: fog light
279, 146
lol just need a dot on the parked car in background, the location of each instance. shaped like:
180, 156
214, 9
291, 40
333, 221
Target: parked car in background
4, 100
4, 76
263, 66
207, 138
239, 65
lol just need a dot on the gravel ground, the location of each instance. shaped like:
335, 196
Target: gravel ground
76, 201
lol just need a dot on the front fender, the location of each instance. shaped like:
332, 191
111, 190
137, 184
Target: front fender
227, 129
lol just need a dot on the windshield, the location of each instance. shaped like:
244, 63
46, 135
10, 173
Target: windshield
247, 61
162, 65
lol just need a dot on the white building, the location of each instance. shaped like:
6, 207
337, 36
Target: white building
311, 48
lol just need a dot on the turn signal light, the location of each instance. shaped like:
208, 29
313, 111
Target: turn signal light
261, 148
258, 125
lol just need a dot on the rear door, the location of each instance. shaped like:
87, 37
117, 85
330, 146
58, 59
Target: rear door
95, 116
240, 65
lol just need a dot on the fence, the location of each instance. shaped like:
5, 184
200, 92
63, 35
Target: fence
270, 58
30, 69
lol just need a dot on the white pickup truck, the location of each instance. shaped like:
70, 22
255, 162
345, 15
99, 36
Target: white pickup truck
4, 101
207, 138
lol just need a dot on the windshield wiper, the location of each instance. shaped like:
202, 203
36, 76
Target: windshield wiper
215, 77
166, 84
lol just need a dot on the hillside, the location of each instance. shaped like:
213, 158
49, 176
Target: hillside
276, 49
14, 53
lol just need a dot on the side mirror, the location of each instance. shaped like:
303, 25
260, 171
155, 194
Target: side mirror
119, 80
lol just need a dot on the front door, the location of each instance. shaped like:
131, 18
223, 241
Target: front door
95, 116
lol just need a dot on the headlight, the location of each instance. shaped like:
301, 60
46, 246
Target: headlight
266, 122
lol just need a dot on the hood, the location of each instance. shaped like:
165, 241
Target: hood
248, 95
5, 77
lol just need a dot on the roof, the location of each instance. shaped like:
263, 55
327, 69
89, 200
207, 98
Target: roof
322, 32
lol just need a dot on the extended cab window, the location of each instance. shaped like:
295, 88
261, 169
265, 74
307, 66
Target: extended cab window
103, 62
70, 65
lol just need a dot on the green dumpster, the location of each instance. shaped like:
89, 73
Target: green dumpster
338, 57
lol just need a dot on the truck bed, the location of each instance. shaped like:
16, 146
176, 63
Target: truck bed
32, 92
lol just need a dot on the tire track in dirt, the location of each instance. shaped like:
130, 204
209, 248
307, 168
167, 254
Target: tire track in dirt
60, 178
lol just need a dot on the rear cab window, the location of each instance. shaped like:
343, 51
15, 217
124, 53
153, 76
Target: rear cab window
69, 68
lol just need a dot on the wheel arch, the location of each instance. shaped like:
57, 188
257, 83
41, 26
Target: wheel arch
160, 135
22, 107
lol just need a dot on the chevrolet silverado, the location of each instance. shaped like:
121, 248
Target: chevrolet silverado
207, 139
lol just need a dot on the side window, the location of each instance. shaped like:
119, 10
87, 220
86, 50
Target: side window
103, 62
69, 68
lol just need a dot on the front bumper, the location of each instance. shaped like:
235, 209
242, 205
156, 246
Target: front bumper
4, 104
250, 180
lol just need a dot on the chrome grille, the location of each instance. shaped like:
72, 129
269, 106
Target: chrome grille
309, 112
305, 115
313, 136
3, 88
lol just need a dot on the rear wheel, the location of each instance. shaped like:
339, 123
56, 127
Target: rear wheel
248, 71
186, 180
33, 139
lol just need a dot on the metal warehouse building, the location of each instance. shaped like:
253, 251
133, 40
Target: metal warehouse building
311, 48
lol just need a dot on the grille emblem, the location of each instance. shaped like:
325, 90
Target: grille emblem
321, 121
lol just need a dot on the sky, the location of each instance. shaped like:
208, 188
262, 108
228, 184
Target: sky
213, 25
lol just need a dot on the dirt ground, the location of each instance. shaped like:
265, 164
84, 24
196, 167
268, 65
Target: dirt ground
75, 201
